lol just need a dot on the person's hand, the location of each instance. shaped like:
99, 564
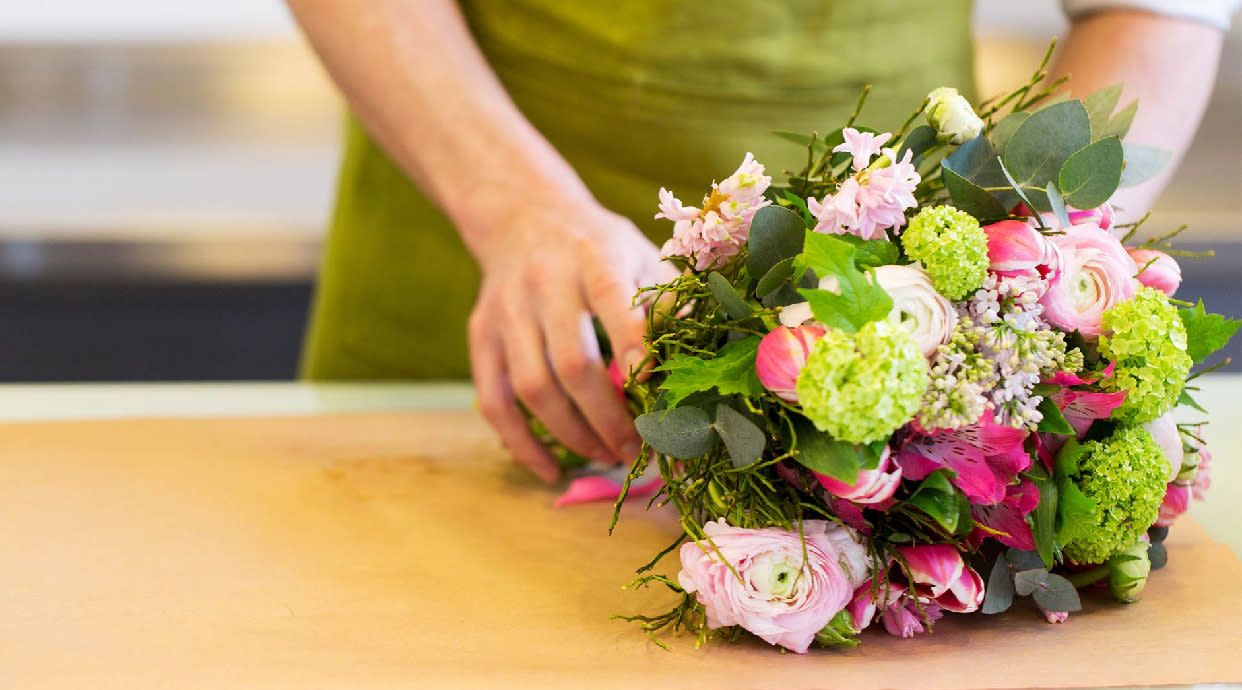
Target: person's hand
545, 274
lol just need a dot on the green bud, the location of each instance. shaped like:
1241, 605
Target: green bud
1127, 573
840, 631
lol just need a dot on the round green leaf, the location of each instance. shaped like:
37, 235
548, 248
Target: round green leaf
744, 440
1044, 141
682, 432
776, 233
1090, 176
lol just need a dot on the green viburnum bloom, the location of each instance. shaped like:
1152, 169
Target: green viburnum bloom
952, 248
1147, 340
1125, 474
1127, 573
860, 388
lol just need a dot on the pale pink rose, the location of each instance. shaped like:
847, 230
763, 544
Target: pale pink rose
775, 594
707, 237
873, 486
781, 356
917, 306
1097, 274
1176, 502
1157, 269
1017, 249
939, 574
1164, 430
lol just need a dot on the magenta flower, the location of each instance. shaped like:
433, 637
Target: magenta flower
781, 356
1081, 408
600, 488
1098, 273
1054, 617
771, 582
1006, 521
873, 486
1157, 269
986, 457
939, 574
1176, 501
1017, 249
897, 611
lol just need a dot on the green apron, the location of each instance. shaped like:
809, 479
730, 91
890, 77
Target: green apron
636, 94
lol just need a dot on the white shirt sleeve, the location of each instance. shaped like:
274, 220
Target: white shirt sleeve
1214, 12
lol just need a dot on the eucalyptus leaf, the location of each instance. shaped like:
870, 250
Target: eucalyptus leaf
819, 452
1032, 197
972, 198
723, 291
1042, 144
774, 278
1090, 176
1003, 131
998, 595
1027, 581
1158, 554
1057, 594
917, 140
682, 432
776, 233
1119, 125
1024, 560
743, 439
1100, 105
1142, 163
1057, 202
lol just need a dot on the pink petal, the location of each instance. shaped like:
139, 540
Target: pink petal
985, 457
1081, 408
597, 488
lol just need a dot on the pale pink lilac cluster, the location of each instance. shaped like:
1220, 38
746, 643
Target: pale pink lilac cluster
707, 237
875, 198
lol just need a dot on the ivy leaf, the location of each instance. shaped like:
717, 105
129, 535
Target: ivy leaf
743, 439
872, 253
936, 496
1027, 581
723, 291
1056, 593
998, 595
1042, 144
1044, 520
775, 233
1090, 176
858, 299
731, 372
819, 452
683, 432
1053, 421
1075, 512
1206, 333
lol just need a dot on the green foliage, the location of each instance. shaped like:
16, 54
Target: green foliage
1205, 332
1053, 421
918, 140
744, 440
682, 432
730, 372
774, 278
1044, 519
872, 253
1003, 131
729, 300
968, 171
775, 234
858, 299
1043, 143
999, 592
1142, 163
820, 452
1075, 512
1090, 176
936, 497
1149, 344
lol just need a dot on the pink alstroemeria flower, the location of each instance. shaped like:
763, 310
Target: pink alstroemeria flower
1082, 408
986, 457
900, 615
939, 574
1007, 519
873, 486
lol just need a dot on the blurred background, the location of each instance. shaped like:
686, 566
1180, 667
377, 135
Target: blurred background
167, 168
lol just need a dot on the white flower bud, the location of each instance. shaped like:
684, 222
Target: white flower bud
950, 113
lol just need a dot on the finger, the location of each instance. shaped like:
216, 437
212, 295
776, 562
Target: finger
498, 406
541, 392
577, 363
610, 297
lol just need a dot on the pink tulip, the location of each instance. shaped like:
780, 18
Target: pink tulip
782, 354
1157, 269
900, 613
1176, 501
1101, 216
873, 486
939, 574
1097, 274
1017, 249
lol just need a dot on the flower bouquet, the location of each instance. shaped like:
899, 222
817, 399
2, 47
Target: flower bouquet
924, 375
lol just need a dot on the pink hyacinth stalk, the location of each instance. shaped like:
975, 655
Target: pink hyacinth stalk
781, 356
1157, 269
939, 574
873, 486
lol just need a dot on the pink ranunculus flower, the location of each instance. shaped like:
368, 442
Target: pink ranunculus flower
781, 356
1097, 274
897, 611
1017, 249
1164, 430
939, 574
1157, 269
873, 486
917, 306
1176, 501
775, 594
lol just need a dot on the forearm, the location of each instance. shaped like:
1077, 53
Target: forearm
1168, 64
415, 78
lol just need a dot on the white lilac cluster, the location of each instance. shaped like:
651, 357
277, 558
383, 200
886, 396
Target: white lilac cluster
1006, 316
956, 397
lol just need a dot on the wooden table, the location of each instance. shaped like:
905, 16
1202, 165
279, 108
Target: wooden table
341, 547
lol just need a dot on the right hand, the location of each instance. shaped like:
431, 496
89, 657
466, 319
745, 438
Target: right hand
546, 273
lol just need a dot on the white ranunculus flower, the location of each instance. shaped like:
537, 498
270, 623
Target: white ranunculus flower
795, 315
917, 306
950, 113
